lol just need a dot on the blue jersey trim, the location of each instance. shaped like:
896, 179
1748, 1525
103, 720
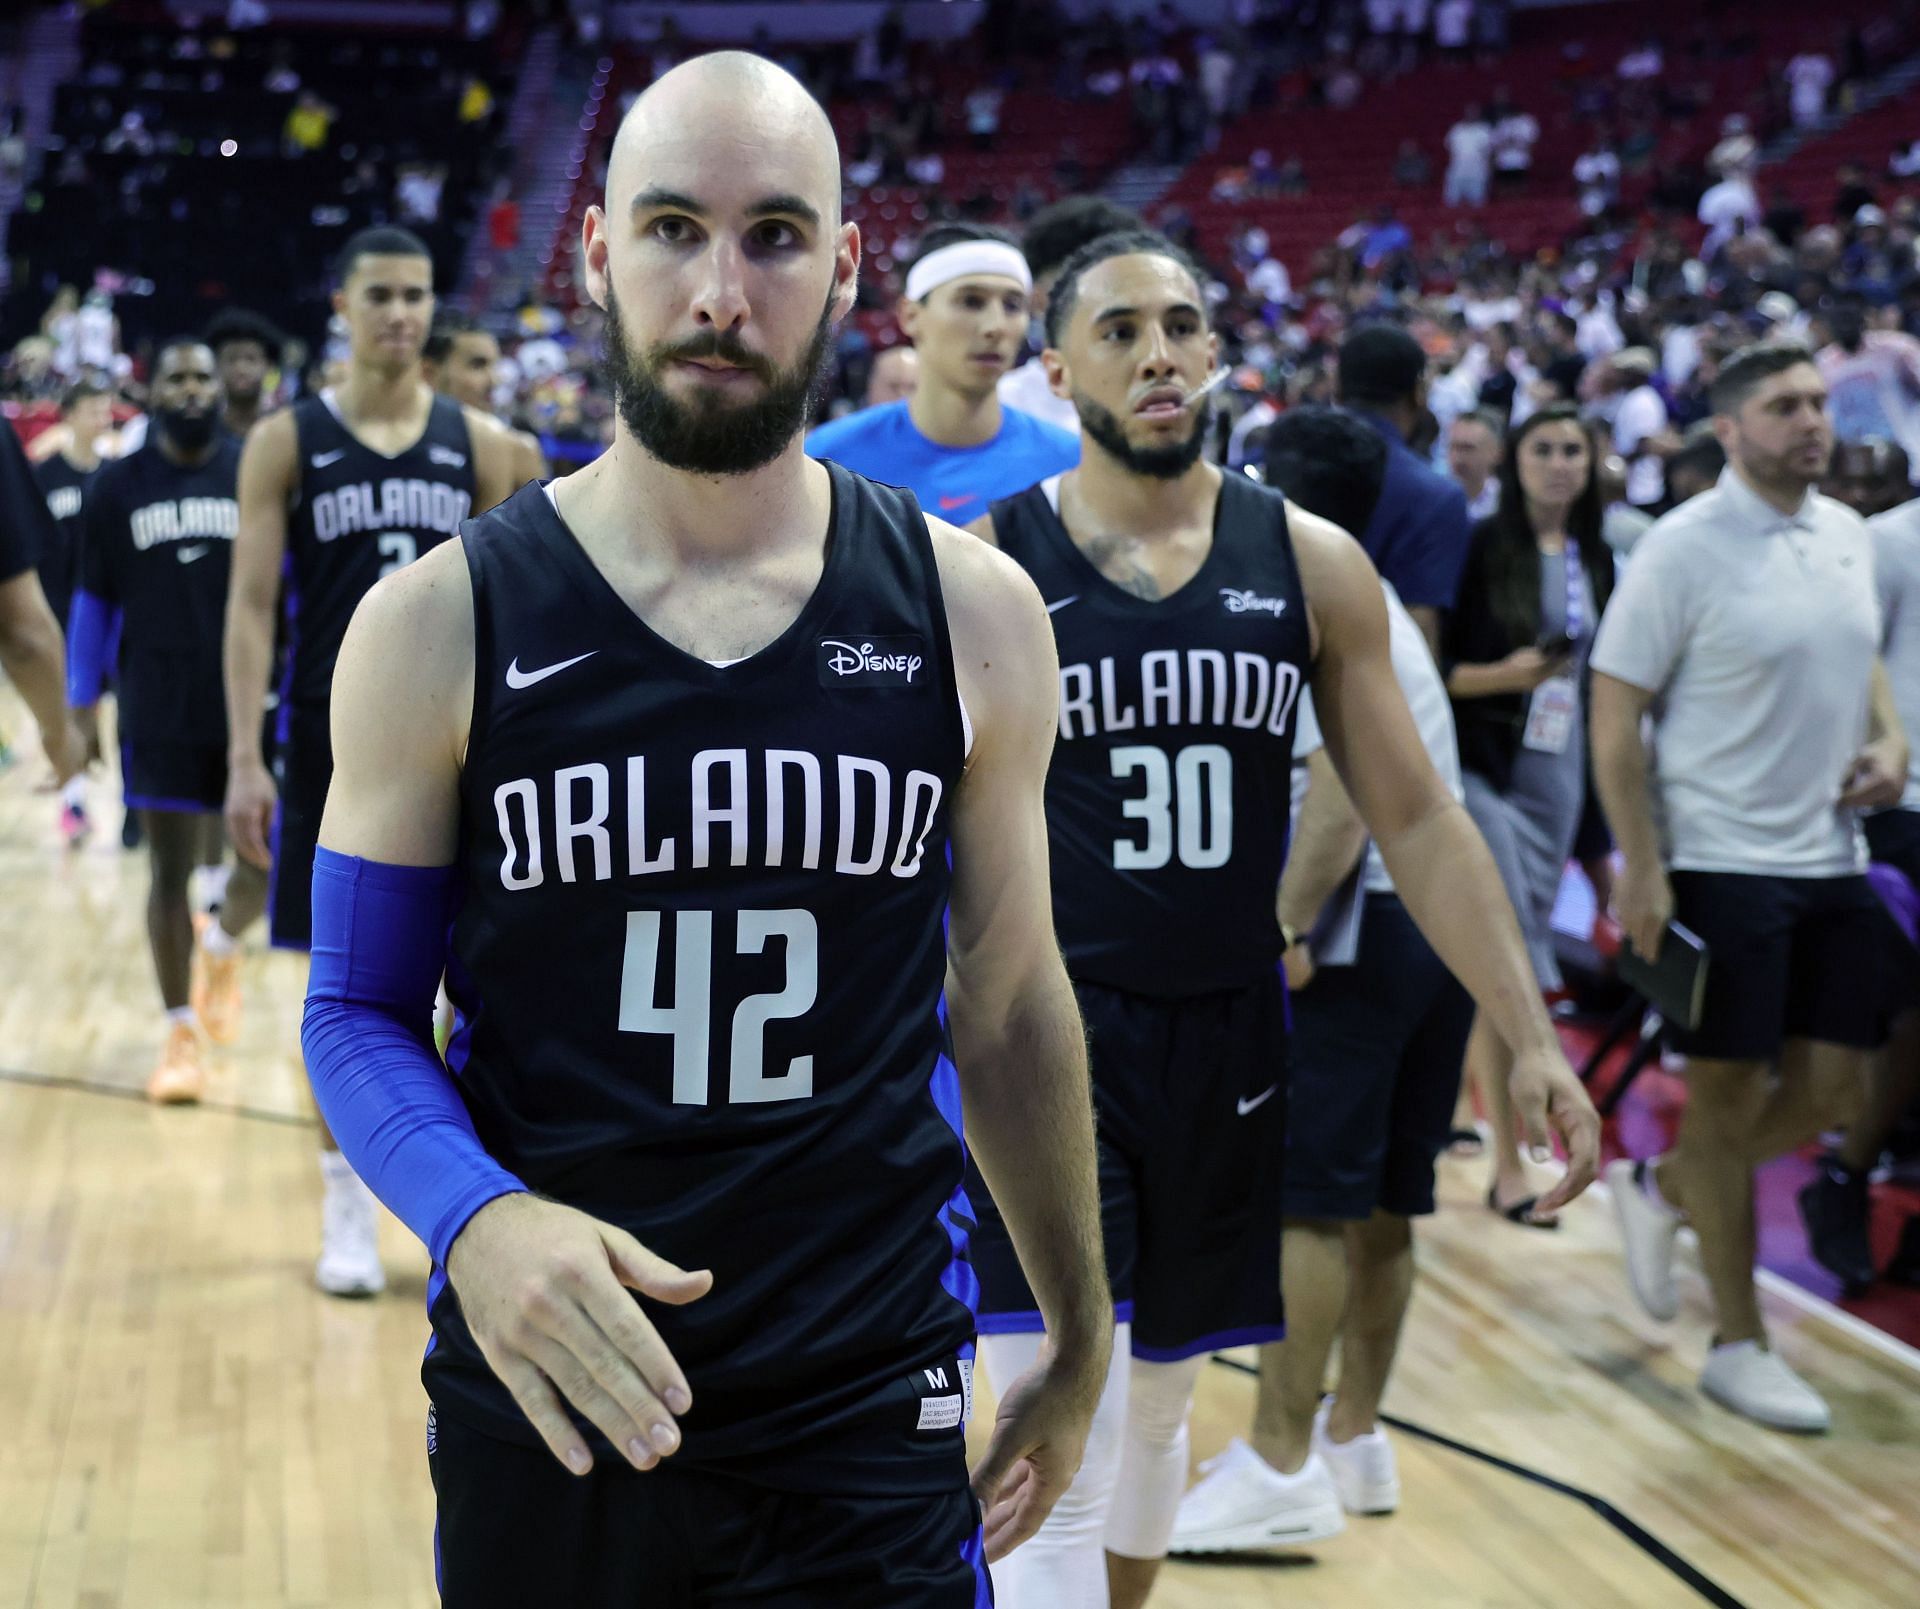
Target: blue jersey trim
956, 1217
180, 807
974, 1551
1252, 1335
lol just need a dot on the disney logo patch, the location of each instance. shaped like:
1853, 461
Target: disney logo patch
871, 661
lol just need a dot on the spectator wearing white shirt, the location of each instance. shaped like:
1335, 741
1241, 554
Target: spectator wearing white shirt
1639, 419
983, 116
1597, 173
1873, 380
1453, 28
1270, 281
1646, 60
1747, 629
1515, 133
1469, 160
1811, 76
1727, 208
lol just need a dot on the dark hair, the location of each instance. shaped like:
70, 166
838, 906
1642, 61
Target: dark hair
1701, 452
232, 325
1486, 417
175, 343
1380, 364
943, 235
1055, 233
80, 391
1511, 545
449, 324
1120, 243
1329, 462
1749, 369
383, 241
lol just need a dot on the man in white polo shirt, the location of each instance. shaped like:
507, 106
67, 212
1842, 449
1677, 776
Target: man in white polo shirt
1747, 627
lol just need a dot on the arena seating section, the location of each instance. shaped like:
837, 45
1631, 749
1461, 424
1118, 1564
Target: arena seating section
259, 226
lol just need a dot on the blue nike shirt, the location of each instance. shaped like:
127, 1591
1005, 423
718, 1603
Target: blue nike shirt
957, 483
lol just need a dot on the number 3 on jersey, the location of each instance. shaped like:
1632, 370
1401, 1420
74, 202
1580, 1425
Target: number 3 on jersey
1189, 799
689, 1019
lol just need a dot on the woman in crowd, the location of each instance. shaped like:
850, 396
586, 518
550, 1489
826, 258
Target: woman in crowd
1514, 650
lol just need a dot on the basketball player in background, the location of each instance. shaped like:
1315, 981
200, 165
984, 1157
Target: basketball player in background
1053, 234
461, 359
951, 443
340, 489
1190, 608
892, 376
705, 742
32, 651
155, 555
247, 349
63, 476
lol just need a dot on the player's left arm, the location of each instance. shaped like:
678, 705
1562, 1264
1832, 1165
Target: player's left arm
1439, 863
497, 460
1018, 1040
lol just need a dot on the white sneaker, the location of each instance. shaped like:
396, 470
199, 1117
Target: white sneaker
1647, 1228
1749, 1379
1242, 1501
349, 1262
1364, 1470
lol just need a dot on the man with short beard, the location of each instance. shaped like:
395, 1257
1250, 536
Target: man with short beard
156, 547
1191, 608
712, 775
1746, 627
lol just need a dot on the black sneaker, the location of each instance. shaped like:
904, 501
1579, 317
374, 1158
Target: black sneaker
130, 831
1905, 1267
1834, 1209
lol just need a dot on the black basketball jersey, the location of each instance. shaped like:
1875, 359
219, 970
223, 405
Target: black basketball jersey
700, 958
360, 514
157, 544
1168, 794
65, 489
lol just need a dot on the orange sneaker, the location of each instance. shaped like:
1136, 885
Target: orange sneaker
216, 994
179, 1079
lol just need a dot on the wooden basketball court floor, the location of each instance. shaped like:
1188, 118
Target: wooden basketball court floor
185, 1421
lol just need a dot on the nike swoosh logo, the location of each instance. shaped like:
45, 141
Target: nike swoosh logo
518, 678
949, 504
322, 460
1061, 603
1244, 1106
188, 555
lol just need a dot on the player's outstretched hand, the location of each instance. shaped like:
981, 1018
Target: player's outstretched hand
1039, 1437
1548, 1099
251, 801
545, 1291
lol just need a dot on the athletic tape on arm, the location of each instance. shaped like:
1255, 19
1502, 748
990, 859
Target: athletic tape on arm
379, 944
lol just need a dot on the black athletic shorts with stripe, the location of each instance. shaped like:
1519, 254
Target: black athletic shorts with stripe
1190, 1101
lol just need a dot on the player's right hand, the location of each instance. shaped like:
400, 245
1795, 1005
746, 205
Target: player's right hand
251, 802
546, 1291
1039, 1437
66, 751
1643, 900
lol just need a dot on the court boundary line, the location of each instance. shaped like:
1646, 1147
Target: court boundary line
1662, 1554
87, 1086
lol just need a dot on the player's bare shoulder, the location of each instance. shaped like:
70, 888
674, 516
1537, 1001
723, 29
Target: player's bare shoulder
1003, 650
272, 448
1336, 575
418, 621
498, 459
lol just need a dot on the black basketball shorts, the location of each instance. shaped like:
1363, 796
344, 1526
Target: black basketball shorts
1377, 1052
1787, 958
1190, 1100
303, 768
185, 777
1893, 836
515, 1530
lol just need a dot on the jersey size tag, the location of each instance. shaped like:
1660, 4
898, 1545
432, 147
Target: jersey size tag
945, 1390
1550, 715
858, 660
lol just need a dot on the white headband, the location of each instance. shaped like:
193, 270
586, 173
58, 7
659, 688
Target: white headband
963, 259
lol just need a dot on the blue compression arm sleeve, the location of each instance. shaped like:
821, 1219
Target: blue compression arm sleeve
379, 943
93, 637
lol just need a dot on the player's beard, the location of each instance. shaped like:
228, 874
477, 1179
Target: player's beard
191, 433
710, 435
1157, 463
